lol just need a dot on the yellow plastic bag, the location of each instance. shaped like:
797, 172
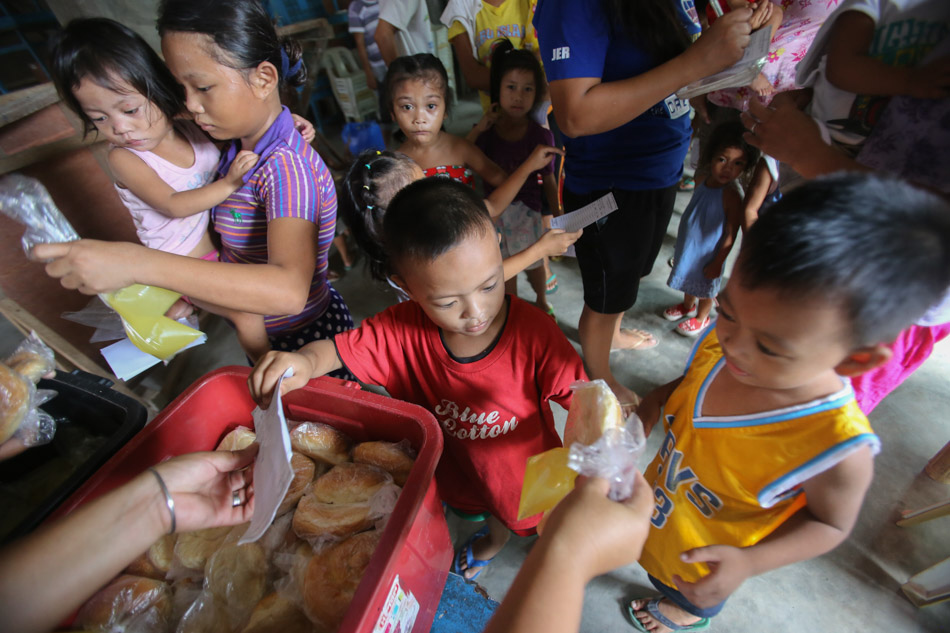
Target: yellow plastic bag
142, 309
547, 480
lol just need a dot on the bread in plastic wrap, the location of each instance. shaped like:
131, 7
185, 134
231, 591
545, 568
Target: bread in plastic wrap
333, 575
238, 439
594, 409
276, 614
129, 603
321, 442
350, 483
393, 457
192, 549
32, 359
304, 471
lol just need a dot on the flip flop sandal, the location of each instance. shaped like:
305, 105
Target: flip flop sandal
470, 561
686, 183
653, 608
551, 284
550, 312
647, 341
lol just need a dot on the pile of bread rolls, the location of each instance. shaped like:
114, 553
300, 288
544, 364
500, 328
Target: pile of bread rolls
19, 374
299, 577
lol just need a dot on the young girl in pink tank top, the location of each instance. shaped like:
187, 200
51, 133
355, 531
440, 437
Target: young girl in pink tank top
163, 167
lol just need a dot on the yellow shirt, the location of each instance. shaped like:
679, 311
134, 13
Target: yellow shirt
733, 480
512, 20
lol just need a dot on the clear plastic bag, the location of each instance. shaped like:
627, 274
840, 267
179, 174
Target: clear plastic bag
32, 358
19, 410
142, 308
612, 452
98, 315
26, 201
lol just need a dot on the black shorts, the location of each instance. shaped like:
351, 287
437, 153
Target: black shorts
615, 252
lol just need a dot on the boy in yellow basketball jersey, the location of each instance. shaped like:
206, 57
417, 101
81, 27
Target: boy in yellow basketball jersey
766, 457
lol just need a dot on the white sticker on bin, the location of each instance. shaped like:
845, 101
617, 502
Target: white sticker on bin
399, 611
272, 470
585, 216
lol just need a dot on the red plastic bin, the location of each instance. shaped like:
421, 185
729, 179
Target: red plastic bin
415, 545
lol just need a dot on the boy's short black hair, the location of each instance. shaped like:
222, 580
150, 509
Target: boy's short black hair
430, 217
876, 244
104, 51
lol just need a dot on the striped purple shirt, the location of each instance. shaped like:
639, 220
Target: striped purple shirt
290, 180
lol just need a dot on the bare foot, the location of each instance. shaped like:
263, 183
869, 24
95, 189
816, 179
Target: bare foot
761, 86
633, 339
669, 610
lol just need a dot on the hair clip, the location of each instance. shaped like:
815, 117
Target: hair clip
378, 152
369, 207
366, 187
367, 166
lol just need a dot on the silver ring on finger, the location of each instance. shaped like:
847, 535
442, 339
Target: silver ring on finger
236, 499
752, 129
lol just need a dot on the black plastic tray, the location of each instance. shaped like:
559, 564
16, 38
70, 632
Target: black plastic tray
100, 422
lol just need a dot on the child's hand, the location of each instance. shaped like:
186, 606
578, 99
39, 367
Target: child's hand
90, 266
729, 566
556, 241
268, 371
713, 270
702, 111
542, 156
488, 119
930, 81
305, 128
242, 164
592, 534
761, 12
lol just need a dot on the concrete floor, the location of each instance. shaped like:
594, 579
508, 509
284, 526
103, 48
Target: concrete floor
854, 588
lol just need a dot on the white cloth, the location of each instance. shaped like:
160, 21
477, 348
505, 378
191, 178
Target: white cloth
905, 30
464, 12
411, 20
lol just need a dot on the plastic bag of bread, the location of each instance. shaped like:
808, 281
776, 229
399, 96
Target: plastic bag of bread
396, 458
332, 577
275, 613
32, 359
193, 549
601, 444
237, 439
129, 603
26, 201
348, 499
320, 442
20, 414
156, 560
236, 577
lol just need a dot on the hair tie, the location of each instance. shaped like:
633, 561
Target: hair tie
378, 152
369, 207
286, 70
366, 187
367, 166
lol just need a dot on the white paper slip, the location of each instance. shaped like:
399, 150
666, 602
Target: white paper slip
272, 470
585, 216
739, 74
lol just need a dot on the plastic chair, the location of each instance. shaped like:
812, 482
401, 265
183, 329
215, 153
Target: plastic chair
352, 94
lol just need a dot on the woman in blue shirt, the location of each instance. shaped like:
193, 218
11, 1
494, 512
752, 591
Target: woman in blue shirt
613, 68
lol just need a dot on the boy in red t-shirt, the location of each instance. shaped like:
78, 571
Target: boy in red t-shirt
483, 362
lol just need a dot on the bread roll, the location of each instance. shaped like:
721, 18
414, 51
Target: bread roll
239, 438
334, 574
129, 603
386, 455
194, 548
236, 575
314, 519
304, 471
594, 409
31, 365
15, 393
350, 483
320, 442
142, 566
162, 551
276, 614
